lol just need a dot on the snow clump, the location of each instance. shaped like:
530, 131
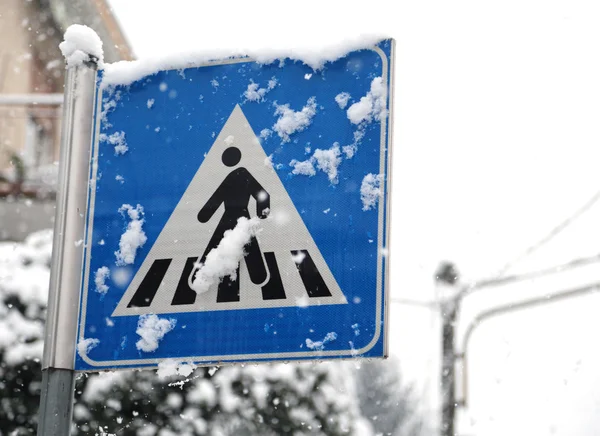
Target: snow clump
100, 280
80, 43
117, 139
342, 99
109, 104
127, 72
152, 329
84, 346
370, 190
304, 168
254, 93
349, 150
371, 106
328, 162
325, 160
265, 133
224, 260
320, 345
133, 237
170, 368
290, 121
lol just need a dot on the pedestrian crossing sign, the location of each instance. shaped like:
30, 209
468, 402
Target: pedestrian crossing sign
239, 211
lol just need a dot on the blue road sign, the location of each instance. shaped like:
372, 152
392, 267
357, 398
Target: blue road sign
239, 212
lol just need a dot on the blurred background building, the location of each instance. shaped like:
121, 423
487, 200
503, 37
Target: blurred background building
31, 86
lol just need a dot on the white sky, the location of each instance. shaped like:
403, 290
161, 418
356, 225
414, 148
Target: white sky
496, 134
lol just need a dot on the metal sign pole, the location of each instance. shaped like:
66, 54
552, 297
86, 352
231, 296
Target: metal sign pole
58, 375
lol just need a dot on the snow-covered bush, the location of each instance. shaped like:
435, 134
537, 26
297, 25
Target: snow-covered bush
306, 399
24, 275
279, 399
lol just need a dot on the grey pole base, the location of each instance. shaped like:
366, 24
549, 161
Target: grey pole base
56, 404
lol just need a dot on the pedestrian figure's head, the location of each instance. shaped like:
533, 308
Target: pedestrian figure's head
231, 156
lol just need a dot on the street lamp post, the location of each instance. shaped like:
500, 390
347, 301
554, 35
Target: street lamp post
447, 274
448, 377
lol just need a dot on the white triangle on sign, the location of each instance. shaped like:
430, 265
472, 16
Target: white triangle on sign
292, 280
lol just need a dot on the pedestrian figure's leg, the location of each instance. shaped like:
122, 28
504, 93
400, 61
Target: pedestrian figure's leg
184, 294
255, 262
273, 289
229, 290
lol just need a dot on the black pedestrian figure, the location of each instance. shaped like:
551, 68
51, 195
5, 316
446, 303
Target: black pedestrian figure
234, 192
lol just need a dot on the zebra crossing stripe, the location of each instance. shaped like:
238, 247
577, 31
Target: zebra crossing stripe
228, 289
313, 282
147, 290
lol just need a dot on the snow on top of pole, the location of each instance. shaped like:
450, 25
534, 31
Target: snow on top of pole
127, 72
80, 44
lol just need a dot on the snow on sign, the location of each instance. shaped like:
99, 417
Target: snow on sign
238, 212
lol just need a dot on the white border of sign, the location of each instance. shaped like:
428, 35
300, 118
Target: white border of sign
382, 276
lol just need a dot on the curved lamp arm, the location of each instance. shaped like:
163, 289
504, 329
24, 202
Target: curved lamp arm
500, 310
